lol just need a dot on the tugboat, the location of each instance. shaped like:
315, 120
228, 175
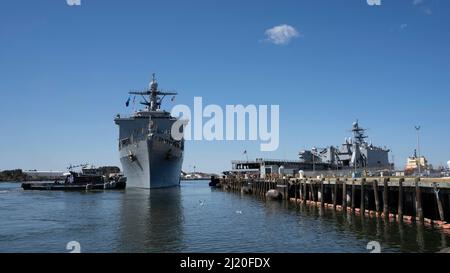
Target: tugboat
90, 178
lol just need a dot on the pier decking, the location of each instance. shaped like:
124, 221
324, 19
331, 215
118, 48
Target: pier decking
421, 200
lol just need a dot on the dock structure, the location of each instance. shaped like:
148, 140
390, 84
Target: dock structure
420, 200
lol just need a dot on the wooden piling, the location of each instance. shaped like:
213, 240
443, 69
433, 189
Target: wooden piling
313, 195
321, 193
344, 195
363, 197
386, 197
300, 190
304, 191
311, 191
400, 199
335, 191
375, 194
287, 187
419, 211
353, 195
439, 203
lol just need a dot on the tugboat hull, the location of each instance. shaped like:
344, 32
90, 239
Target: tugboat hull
115, 185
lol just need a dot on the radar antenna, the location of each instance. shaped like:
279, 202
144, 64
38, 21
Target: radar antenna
358, 133
155, 95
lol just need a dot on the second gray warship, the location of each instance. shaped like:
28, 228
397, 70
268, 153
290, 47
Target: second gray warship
356, 152
150, 157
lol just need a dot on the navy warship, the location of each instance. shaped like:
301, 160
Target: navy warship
355, 153
150, 157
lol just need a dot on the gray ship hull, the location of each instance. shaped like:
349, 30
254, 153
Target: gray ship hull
154, 165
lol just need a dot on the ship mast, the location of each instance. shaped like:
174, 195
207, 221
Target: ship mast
154, 94
358, 133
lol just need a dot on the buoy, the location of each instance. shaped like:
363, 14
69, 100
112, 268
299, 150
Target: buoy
445, 250
274, 195
407, 218
246, 190
439, 223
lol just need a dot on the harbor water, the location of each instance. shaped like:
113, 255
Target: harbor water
192, 218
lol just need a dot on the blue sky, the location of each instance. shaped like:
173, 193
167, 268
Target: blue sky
66, 70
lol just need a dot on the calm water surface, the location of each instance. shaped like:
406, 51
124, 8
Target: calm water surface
191, 218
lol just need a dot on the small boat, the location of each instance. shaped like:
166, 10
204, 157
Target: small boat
90, 178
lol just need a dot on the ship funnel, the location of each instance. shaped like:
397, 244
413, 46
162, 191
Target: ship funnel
448, 164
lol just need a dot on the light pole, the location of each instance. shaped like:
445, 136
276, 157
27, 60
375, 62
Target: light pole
418, 148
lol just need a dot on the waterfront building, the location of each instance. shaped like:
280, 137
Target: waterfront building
413, 162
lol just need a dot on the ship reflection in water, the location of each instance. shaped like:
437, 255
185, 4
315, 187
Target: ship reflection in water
151, 220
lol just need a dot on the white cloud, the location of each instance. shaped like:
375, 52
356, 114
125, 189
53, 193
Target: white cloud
399, 28
427, 11
422, 6
281, 35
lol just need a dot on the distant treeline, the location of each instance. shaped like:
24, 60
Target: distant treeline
12, 175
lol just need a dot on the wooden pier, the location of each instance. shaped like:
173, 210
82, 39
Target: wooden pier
421, 200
